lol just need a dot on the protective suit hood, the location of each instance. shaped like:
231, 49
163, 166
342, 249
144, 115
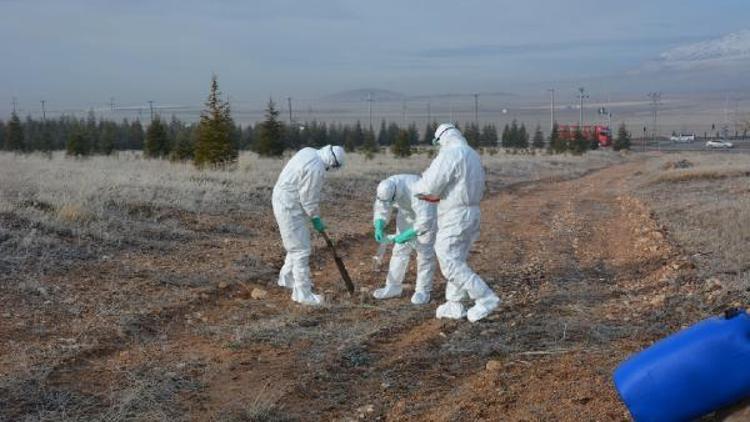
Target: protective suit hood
387, 190
332, 156
447, 134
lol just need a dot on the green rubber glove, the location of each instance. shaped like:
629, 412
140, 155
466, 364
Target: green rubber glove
379, 233
318, 224
405, 236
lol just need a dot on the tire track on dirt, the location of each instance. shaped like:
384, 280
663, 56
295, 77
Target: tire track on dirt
565, 257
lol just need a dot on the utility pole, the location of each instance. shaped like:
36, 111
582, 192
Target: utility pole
369, 107
44, 112
655, 102
289, 101
13, 101
476, 109
551, 109
429, 114
151, 109
451, 112
112, 104
581, 96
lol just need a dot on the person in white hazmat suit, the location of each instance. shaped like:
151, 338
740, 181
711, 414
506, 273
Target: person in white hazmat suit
296, 198
416, 225
455, 180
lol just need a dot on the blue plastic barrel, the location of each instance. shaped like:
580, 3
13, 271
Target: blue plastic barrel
691, 373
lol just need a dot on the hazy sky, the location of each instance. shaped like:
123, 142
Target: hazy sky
79, 53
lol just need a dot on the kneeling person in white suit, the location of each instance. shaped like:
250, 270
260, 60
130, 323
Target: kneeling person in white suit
416, 225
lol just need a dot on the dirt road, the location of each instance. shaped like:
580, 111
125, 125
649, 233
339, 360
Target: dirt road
587, 277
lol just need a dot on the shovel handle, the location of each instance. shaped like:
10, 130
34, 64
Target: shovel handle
340, 264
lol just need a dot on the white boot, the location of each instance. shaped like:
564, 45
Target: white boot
451, 310
304, 296
485, 300
387, 292
420, 298
483, 307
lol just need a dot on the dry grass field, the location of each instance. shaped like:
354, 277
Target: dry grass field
135, 289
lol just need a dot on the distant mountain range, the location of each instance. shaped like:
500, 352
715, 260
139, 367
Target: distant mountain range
385, 96
359, 95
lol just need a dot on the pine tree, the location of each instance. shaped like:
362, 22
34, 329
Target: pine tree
623, 138
184, 147
92, 131
488, 138
538, 140
359, 135
107, 138
523, 137
392, 133
429, 132
369, 147
413, 134
292, 137
580, 143
382, 134
401, 147
513, 134
137, 135
247, 139
471, 133
214, 144
270, 133
47, 143
556, 144
157, 140
506, 142
14, 138
78, 144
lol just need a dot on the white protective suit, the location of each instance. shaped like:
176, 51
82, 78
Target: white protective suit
456, 178
395, 192
296, 198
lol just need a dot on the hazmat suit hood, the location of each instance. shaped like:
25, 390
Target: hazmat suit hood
448, 134
332, 156
387, 190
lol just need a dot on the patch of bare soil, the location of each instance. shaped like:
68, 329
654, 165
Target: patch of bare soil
202, 332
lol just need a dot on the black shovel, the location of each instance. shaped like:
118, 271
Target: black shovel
339, 264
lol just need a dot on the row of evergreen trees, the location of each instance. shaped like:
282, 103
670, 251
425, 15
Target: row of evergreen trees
216, 139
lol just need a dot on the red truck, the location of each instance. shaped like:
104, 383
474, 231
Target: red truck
590, 132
